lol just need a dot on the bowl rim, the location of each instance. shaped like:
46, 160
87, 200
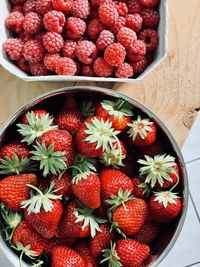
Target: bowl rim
8, 253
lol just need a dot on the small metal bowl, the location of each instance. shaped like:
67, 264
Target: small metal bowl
52, 101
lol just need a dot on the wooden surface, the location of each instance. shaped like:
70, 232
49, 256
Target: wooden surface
172, 90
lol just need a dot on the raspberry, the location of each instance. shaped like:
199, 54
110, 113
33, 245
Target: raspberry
18, 2
150, 3
80, 9
134, 57
25, 37
126, 37
29, 6
62, 5
150, 18
14, 21
75, 28
23, 64
134, 22
38, 69
13, 48
34, 51
121, 7
94, 27
39, 36
108, 14
134, 6
139, 66
32, 23
53, 42
66, 66
105, 39
50, 61
97, 3
86, 52
44, 6
138, 48
115, 54
150, 37
87, 70
69, 48
102, 68
121, 21
124, 71
18, 8
54, 21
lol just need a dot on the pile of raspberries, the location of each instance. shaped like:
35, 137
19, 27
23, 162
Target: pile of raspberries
104, 38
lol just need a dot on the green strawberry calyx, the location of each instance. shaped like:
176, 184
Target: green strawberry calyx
87, 109
165, 198
41, 200
157, 169
118, 108
111, 256
146, 189
84, 164
140, 127
112, 157
36, 126
51, 162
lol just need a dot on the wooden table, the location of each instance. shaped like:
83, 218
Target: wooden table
172, 90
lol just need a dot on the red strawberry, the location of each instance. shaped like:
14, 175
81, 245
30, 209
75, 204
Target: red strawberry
165, 206
14, 189
141, 190
94, 136
62, 184
112, 180
83, 249
119, 112
63, 256
37, 112
86, 187
27, 235
142, 131
55, 241
148, 232
15, 148
152, 150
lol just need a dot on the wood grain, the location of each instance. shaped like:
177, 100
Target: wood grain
172, 91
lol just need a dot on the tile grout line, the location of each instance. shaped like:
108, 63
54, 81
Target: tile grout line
195, 209
193, 264
191, 161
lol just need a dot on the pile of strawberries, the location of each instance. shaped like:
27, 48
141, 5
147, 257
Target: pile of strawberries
104, 38
90, 184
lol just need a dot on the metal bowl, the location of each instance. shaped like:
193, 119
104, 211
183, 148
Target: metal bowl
53, 100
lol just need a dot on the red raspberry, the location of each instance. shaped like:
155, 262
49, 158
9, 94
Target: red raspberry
115, 54
75, 28
33, 23
139, 66
44, 6
138, 48
134, 57
87, 70
105, 39
66, 66
34, 51
86, 52
97, 3
102, 68
108, 14
150, 37
18, 2
69, 49
124, 71
150, 3
29, 6
134, 22
23, 64
126, 37
94, 27
150, 18
13, 48
50, 61
39, 36
14, 21
18, 8
53, 42
93, 14
121, 7
121, 21
80, 9
62, 5
38, 69
134, 6
25, 37
54, 21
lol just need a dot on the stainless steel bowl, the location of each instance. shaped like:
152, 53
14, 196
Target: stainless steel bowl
53, 99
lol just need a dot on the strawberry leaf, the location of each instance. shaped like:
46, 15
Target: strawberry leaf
139, 127
111, 256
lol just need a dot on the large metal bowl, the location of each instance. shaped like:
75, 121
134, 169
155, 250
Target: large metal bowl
52, 100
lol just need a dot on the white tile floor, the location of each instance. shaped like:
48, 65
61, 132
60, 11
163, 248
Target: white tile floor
186, 251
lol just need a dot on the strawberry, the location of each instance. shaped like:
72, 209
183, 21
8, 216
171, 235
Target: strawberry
15, 148
119, 112
165, 206
62, 184
86, 187
43, 211
83, 250
55, 241
14, 189
27, 235
55, 151
112, 180
126, 253
94, 136
148, 232
63, 256
38, 112
141, 190
161, 171
142, 131
152, 150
